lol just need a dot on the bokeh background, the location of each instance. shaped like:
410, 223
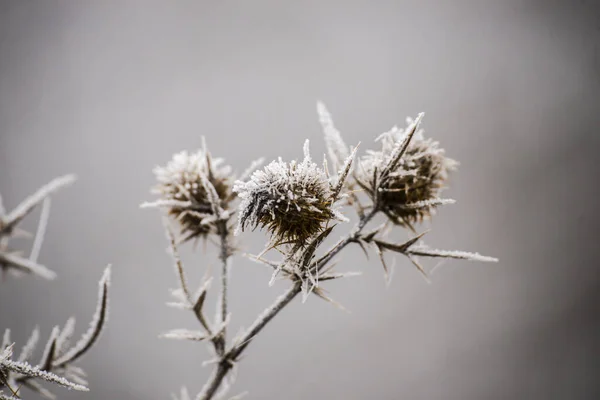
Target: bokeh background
109, 89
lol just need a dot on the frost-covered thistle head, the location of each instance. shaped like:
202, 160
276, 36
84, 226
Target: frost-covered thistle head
407, 190
292, 200
196, 190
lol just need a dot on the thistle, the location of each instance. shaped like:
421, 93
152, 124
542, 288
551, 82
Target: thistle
196, 191
406, 189
293, 201
297, 202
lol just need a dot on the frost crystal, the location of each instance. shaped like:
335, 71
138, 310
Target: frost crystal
410, 187
292, 200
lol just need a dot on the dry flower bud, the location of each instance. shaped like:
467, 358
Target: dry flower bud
410, 190
196, 190
292, 200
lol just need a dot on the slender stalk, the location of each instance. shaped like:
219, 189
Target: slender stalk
224, 257
211, 387
228, 359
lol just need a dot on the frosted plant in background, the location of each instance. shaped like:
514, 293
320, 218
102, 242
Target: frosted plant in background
299, 204
12, 261
57, 361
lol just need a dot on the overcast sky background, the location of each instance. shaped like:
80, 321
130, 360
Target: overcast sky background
109, 89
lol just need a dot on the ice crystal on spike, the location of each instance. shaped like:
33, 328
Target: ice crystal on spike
406, 189
292, 200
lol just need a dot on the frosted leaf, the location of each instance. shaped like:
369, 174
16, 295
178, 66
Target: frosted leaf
49, 350
98, 321
41, 230
40, 390
35, 372
168, 203
26, 265
64, 339
429, 203
338, 275
30, 345
184, 334
27, 205
336, 148
343, 173
461, 255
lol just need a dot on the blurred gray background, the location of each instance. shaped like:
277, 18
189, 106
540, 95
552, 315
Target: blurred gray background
109, 89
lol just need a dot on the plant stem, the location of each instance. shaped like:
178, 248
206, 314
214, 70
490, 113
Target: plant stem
224, 257
227, 360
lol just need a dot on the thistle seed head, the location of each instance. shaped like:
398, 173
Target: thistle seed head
292, 200
194, 187
409, 192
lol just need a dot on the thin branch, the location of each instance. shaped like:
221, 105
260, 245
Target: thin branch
26, 265
41, 230
16, 215
93, 333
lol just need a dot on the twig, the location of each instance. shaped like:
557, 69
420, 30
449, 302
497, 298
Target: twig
224, 256
231, 356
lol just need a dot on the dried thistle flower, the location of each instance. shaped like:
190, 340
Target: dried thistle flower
297, 203
292, 200
196, 190
408, 189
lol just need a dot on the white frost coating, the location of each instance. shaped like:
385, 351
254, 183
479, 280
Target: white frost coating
336, 148
98, 321
166, 203
185, 167
41, 230
184, 334
430, 203
422, 250
34, 372
24, 264
343, 173
30, 202
275, 182
29, 347
64, 338
185, 176
50, 348
306, 149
